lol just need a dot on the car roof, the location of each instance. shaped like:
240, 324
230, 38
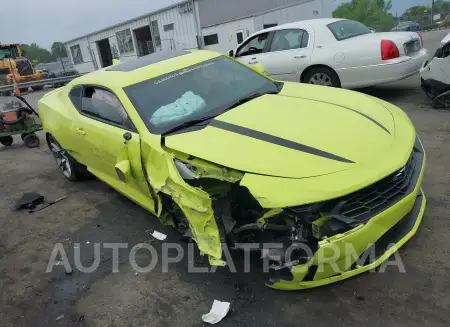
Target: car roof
144, 68
319, 22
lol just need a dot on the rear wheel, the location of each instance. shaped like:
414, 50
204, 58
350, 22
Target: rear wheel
31, 140
322, 76
7, 140
69, 167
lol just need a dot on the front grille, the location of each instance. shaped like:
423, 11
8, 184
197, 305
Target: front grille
368, 202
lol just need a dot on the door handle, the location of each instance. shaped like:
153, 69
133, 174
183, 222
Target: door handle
80, 131
300, 56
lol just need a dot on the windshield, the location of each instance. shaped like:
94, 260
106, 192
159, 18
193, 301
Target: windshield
8, 52
345, 29
204, 90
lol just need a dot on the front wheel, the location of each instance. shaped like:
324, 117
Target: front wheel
7, 140
69, 167
322, 76
31, 140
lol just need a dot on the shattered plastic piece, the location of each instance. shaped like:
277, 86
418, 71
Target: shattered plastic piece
158, 235
218, 311
59, 317
87, 242
29, 201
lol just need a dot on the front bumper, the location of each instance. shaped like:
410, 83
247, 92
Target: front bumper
338, 257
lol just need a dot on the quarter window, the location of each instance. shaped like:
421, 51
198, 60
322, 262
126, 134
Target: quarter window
75, 97
253, 46
289, 39
101, 104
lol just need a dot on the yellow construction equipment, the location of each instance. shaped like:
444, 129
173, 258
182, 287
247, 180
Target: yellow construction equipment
15, 68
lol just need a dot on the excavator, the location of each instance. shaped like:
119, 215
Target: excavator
15, 67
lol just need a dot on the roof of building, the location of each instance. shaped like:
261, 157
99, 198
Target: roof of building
131, 20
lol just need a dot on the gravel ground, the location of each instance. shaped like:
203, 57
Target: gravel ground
94, 213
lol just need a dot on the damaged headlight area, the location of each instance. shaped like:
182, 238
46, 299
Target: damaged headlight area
242, 220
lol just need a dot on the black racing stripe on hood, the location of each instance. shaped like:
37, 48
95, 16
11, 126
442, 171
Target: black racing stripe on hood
276, 140
360, 113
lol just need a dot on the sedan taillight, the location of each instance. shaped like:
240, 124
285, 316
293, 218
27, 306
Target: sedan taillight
421, 38
389, 50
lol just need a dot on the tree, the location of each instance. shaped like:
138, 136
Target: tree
37, 54
373, 13
417, 11
59, 50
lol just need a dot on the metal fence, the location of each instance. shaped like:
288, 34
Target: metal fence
50, 81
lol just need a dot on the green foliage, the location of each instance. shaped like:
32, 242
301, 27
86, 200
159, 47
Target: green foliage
373, 13
37, 54
417, 11
58, 50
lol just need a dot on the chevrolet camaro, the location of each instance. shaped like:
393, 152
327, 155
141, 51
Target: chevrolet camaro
226, 154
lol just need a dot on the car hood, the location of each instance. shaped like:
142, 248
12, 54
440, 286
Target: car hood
303, 131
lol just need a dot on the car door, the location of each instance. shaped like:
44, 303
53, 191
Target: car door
289, 51
105, 135
252, 50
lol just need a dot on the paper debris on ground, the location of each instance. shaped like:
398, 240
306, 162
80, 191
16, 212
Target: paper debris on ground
158, 235
218, 311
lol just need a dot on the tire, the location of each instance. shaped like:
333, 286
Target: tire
7, 140
323, 76
31, 140
69, 167
37, 88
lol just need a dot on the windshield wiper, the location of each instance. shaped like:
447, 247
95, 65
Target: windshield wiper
187, 124
247, 99
195, 122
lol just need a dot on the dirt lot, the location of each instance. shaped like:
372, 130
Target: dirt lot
94, 213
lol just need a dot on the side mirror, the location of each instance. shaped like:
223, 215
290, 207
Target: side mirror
231, 53
259, 68
123, 170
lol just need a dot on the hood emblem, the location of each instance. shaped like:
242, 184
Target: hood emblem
399, 174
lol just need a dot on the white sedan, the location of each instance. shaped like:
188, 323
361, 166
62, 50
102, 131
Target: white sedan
333, 52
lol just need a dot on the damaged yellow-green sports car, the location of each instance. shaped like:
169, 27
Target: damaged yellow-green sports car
228, 155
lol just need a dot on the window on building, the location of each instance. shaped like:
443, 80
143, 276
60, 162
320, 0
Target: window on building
125, 41
240, 37
211, 39
76, 54
156, 35
289, 39
168, 27
269, 25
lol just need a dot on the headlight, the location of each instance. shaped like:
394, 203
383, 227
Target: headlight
185, 170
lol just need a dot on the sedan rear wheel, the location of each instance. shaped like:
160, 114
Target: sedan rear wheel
69, 167
322, 76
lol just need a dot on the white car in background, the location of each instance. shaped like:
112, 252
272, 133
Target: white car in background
333, 52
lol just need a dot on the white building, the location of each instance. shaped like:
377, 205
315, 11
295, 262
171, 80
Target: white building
212, 24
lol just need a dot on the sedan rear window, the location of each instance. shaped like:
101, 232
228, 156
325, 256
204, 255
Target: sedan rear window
345, 29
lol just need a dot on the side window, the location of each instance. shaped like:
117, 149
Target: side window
102, 104
75, 97
253, 46
289, 39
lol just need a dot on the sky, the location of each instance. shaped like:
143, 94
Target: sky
45, 21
